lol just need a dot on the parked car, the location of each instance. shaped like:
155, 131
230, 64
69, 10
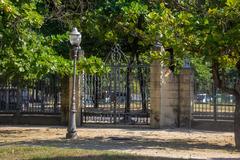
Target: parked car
136, 97
231, 98
225, 98
203, 98
107, 96
87, 99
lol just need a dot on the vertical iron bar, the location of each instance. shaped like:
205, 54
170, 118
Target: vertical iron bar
110, 94
214, 102
19, 99
42, 95
115, 95
7, 96
83, 99
55, 92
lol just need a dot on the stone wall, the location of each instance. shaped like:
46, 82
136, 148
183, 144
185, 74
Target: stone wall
170, 97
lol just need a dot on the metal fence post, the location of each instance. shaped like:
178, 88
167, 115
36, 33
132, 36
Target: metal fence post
55, 92
115, 96
42, 83
7, 96
214, 102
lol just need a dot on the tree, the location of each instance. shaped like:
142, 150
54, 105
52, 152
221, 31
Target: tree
209, 31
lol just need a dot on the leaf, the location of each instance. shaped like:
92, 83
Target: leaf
206, 22
231, 3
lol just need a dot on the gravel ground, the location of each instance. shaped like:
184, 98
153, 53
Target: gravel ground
173, 143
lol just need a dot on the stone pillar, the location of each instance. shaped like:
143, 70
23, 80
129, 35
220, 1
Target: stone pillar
155, 94
79, 84
170, 97
186, 93
78, 101
65, 99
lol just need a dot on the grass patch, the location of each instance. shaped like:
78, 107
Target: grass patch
53, 153
35, 153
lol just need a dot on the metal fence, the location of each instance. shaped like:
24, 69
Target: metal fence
118, 97
210, 103
43, 96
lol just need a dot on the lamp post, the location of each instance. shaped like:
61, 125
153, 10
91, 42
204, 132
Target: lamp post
75, 40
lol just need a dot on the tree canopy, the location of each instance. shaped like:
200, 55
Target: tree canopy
26, 53
34, 40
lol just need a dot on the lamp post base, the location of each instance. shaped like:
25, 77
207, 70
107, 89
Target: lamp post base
71, 135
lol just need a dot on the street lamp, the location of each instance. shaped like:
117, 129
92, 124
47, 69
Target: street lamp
75, 40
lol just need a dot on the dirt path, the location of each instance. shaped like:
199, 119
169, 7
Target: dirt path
175, 143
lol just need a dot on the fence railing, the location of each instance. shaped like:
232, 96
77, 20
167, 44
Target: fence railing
213, 104
43, 96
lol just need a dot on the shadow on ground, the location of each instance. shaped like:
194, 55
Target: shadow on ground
110, 157
123, 143
216, 126
7, 132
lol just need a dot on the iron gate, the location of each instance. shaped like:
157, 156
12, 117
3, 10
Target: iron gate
210, 103
118, 97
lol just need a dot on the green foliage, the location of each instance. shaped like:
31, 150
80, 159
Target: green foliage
26, 54
135, 26
116, 22
33, 37
92, 65
203, 69
201, 31
206, 35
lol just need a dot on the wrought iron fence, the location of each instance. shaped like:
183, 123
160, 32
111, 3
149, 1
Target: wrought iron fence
118, 97
210, 103
43, 96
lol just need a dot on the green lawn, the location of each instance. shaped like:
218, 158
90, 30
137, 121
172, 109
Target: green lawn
53, 153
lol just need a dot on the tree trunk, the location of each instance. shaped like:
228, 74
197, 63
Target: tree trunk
128, 89
237, 123
142, 84
142, 89
127, 117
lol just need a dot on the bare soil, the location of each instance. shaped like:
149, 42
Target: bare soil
172, 143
